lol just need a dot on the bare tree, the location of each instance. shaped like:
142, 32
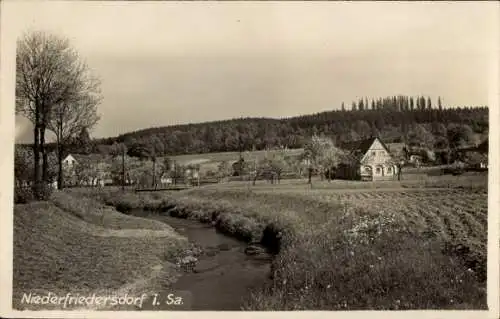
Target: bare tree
67, 120
120, 149
55, 91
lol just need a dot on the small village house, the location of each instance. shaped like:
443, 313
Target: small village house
474, 157
96, 171
165, 179
368, 160
192, 175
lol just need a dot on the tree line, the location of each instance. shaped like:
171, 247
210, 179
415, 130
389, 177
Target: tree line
435, 128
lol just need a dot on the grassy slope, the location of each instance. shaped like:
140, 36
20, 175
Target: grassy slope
210, 161
384, 249
225, 156
68, 250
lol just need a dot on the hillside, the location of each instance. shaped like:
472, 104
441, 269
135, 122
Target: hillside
74, 245
433, 127
393, 119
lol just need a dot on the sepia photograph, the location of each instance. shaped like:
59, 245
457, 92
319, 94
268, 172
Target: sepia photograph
249, 156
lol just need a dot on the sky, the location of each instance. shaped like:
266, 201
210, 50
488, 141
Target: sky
164, 63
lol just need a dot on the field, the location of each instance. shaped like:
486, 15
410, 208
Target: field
456, 216
415, 244
343, 245
224, 156
210, 161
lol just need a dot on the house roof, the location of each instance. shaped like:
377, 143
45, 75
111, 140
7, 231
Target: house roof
474, 157
483, 147
355, 150
362, 146
90, 157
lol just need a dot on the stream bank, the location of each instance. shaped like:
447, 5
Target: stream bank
225, 271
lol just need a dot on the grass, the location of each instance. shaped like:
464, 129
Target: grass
211, 161
472, 181
224, 156
341, 245
63, 246
351, 245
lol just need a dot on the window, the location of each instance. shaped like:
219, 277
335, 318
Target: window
378, 170
389, 170
374, 153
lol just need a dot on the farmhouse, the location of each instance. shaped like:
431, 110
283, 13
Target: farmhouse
474, 157
369, 160
238, 167
90, 170
69, 161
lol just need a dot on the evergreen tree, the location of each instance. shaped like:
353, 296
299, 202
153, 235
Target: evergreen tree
83, 142
422, 102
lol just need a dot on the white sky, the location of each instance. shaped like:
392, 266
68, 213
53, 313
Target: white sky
164, 63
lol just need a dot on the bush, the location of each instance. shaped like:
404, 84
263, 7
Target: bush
42, 191
22, 195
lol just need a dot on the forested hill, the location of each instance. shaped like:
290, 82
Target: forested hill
395, 119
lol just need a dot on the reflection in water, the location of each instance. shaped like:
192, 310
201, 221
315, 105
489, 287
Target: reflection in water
224, 274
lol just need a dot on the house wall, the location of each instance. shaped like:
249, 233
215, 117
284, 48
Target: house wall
374, 166
69, 161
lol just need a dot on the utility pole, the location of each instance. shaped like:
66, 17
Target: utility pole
123, 168
154, 171
174, 166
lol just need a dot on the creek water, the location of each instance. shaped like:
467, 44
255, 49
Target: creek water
224, 275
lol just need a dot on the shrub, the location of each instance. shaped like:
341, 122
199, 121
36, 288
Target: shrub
22, 195
42, 191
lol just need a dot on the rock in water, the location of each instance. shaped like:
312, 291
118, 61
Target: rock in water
224, 247
187, 263
254, 250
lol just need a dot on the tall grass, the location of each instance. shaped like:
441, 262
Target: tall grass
331, 255
366, 263
62, 246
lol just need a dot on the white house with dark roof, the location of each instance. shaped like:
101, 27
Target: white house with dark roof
368, 159
98, 175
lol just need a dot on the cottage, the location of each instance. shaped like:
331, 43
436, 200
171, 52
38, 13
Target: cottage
192, 175
87, 170
165, 180
238, 167
415, 159
475, 157
369, 160
69, 161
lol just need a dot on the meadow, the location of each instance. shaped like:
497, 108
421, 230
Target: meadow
419, 243
347, 245
227, 156
210, 161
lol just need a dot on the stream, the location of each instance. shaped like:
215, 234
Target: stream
224, 274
